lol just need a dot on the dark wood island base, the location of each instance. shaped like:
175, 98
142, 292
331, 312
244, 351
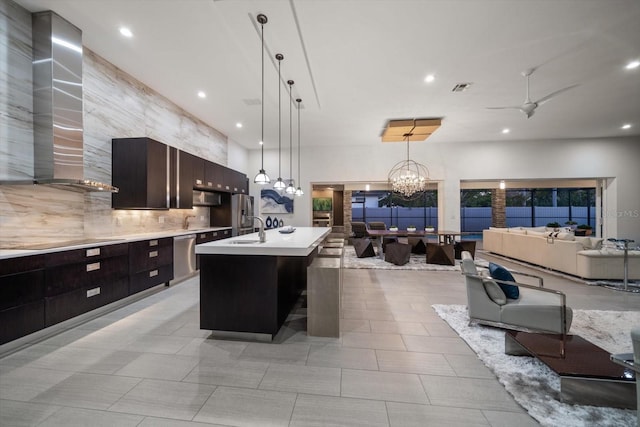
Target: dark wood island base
250, 293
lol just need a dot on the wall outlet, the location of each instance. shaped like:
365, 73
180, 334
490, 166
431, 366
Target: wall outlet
201, 217
161, 219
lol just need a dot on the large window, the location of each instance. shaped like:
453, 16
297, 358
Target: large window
384, 206
529, 207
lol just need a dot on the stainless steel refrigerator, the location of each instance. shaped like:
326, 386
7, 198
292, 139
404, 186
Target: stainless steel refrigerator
241, 214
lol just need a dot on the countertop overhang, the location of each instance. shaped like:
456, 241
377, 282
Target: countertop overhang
299, 243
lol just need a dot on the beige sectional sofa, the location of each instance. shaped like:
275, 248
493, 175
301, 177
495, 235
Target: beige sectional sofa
584, 257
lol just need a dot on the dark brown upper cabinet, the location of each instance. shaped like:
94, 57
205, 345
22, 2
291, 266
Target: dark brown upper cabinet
181, 179
141, 171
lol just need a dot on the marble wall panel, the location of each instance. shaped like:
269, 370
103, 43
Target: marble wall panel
16, 101
37, 214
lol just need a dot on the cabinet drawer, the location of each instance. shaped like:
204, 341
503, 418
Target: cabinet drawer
66, 278
21, 264
21, 288
144, 245
19, 321
150, 258
71, 304
80, 255
147, 279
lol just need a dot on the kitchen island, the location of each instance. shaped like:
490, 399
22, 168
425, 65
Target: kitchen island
248, 288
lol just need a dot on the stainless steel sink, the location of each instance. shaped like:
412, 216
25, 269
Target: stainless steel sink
243, 242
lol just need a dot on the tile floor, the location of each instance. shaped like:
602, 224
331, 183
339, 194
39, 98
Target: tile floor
396, 364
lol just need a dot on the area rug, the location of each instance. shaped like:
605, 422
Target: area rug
416, 262
534, 386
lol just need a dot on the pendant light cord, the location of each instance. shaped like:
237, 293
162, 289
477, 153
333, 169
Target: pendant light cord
298, 101
262, 103
279, 58
290, 83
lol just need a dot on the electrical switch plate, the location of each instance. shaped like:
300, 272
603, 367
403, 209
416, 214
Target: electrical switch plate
161, 219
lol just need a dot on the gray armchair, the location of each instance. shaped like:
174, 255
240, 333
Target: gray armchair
536, 310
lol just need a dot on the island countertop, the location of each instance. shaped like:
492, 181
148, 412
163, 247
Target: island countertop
299, 243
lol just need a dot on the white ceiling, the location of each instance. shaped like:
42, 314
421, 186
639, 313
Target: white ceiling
357, 64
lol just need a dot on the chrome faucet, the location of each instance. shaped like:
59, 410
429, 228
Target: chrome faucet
185, 224
261, 233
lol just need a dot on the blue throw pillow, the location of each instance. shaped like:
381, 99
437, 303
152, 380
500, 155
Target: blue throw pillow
500, 273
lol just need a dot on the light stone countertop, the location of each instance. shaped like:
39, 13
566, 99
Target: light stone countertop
299, 243
101, 241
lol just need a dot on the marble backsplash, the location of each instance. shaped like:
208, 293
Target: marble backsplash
116, 105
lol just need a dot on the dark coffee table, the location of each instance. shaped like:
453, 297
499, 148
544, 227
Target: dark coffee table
587, 375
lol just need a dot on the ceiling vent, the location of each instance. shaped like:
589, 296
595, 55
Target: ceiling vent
460, 87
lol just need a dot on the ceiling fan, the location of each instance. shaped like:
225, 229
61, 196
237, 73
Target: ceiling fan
529, 107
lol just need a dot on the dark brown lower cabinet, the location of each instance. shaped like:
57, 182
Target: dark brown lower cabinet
21, 297
151, 263
79, 281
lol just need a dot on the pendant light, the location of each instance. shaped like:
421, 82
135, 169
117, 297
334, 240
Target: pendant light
262, 178
279, 184
299, 191
409, 178
291, 188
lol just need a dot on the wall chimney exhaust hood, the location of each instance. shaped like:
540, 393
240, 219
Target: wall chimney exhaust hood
57, 105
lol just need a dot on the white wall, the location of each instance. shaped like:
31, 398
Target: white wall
237, 157
617, 159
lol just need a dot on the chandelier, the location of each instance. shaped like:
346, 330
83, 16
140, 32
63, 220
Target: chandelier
408, 178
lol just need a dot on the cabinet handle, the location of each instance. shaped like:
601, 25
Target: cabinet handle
153, 254
93, 252
153, 273
153, 243
93, 267
93, 292
198, 182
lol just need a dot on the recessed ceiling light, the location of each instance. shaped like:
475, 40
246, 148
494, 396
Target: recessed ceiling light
429, 78
238, 125
633, 64
201, 94
626, 126
506, 130
126, 32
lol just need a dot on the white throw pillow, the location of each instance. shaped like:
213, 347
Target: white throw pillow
565, 236
596, 242
584, 241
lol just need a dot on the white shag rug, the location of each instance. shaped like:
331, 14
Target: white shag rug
533, 385
416, 262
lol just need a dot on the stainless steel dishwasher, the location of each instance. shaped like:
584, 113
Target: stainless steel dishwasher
184, 257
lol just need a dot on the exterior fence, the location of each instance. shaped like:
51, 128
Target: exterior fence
476, 219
